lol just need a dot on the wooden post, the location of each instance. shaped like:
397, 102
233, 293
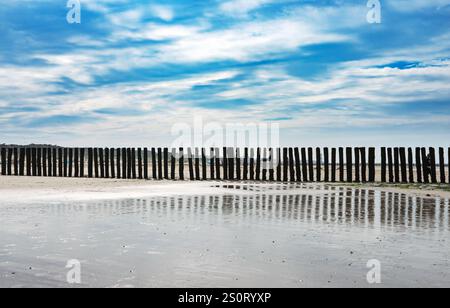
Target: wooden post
49, 162
133, 163
311, 164
173, 165
304, 165
39, 159
318, 165
9, 152
245, 164
298, 168
181, 164
96, 163
390, 166
225, 164
326, 164
285, 164
403, 167
231, 163
191, 165
425, 166
129, 160
140, 171
146, 164
357, 166
77, 162
34, 161
238, 164
66, 161
154, 169
102, 162
252, 165
411, 165
204, 165
29, 162
448, 162
82, 156
70, 166
160, 163
383, 165
22, 162
90, 162
363, 165
217, 156
119, 163
271, 165
212, 164
349, 165
433, 165
279, 161
418, 165
264, 165
442, 165
396, 165
60, 162
54, 162
372, 170
291, 165
3, 152
16, 161
341, 164
197, 164
333, 165
112, 152
258, 164
107, 163
166, 163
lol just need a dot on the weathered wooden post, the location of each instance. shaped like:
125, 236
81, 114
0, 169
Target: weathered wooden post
16, 161
238, 164
271, 165
76, 162
433, 165
133, 163
160, 163
326, 164
107, 163
349, 165
217, 155
10, 152
245, 164
96, 163
318, 165
60, 162
49, 162
90, 162
101, 155
212, 164
34, 161
119, 163
418, 165
66, 161
230, 164
311, 164
390, 166
29, 162
279, 161
4, 167
333, 165
112, 162
55, 162
70, 162
181, 164
154, 169
264, 164
140, 171
252, 164
363, 165
383, 165
22, 162
298, 164
191, 165
403, 167
173, 164
166, 163
146, 164
258, 164
372, 170
204, 166
442, 165
225, 164
341, 164
425, 166
357, 166
197, 164
411, 165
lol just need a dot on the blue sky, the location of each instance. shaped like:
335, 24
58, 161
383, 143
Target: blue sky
133, 69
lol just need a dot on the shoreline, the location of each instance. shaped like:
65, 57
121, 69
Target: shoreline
30, 189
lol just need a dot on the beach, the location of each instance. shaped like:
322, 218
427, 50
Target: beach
217, 234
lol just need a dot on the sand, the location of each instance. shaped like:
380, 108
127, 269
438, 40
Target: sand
209, 234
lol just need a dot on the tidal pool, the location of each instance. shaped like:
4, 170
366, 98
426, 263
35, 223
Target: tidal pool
234, 236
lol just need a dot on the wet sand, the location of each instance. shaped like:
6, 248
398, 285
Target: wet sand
151, 234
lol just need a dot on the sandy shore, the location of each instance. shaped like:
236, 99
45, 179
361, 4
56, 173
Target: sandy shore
27, 189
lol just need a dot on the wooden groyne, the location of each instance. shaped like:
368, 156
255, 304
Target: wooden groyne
387, 165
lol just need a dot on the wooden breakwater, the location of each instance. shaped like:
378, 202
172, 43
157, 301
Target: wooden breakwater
388, 165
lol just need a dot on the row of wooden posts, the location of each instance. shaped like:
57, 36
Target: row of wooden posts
398, 165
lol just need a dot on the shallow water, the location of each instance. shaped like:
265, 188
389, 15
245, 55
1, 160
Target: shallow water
243, 236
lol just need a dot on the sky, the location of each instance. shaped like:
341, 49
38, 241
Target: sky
132, 71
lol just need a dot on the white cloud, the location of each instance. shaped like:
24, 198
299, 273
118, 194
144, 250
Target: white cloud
162, 12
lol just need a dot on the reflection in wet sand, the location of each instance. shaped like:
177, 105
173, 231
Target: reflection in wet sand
236, 236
